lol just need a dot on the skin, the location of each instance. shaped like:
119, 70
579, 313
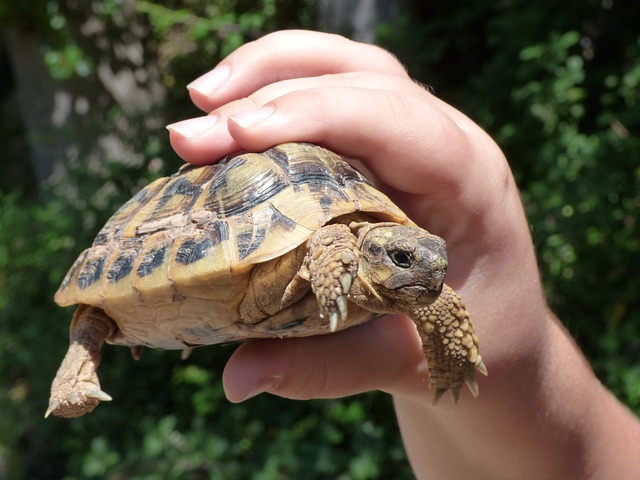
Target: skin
541, 412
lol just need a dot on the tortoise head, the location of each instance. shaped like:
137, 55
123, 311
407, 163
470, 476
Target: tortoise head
405, 265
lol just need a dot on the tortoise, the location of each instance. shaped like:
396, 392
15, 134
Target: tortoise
289, 242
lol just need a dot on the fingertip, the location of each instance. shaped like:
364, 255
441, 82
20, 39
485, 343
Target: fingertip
382, 354
238, 392
204, 89
263, 127
194, 127
244, 376
201, 140
252, 118
211, 81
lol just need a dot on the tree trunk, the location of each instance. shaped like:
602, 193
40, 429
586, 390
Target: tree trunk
35, 91
356, 19
95, 114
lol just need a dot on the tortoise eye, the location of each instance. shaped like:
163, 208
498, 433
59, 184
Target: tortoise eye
401, 258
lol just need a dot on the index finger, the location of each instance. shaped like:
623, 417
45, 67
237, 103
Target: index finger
285, 55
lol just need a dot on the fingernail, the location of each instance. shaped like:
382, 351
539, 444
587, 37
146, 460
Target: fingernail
194, 127
208, 83
263, 385
251, 118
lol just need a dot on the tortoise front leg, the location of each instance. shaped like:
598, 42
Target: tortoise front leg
75, 390
450, 344
331, 266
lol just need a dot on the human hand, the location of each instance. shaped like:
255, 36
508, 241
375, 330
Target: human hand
434, 162
535, 414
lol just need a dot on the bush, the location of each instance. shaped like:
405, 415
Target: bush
558, 87
556, 84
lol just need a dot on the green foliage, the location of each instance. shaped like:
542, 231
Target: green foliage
193, 34
170, 418
558, 86
332, 439
63, 57
67, 62
38, 242
33, 242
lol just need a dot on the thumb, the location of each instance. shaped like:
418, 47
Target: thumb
383, 354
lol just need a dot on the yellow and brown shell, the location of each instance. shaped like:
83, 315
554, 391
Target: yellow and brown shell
172, 264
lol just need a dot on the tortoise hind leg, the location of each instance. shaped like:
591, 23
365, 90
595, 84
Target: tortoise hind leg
76, 390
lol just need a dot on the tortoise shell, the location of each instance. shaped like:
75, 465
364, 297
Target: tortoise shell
172, 265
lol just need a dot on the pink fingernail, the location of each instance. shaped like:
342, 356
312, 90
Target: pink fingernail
251, 118
208, 83
263, 385
194, 127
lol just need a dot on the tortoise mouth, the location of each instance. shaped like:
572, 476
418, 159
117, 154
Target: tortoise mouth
407, 283
422, 293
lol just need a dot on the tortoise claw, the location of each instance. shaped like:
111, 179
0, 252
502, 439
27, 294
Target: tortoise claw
76, 404
481, 367
455, 393
333, 322
440, 391
473, 386
346, 280
97, 394
341, 302
340, 315
53, 406
438, 395
471, 381
332, 266
136, 352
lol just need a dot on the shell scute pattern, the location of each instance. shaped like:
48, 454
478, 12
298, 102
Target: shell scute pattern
218, 220
91, 272
152, 259
122, 266
288, 242
242, 185
124, 216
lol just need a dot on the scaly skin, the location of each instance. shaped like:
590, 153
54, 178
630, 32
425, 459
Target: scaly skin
450, 344
76, 390
333, 265
383, 268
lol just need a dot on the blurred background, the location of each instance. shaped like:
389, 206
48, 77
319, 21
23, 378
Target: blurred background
86, 87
